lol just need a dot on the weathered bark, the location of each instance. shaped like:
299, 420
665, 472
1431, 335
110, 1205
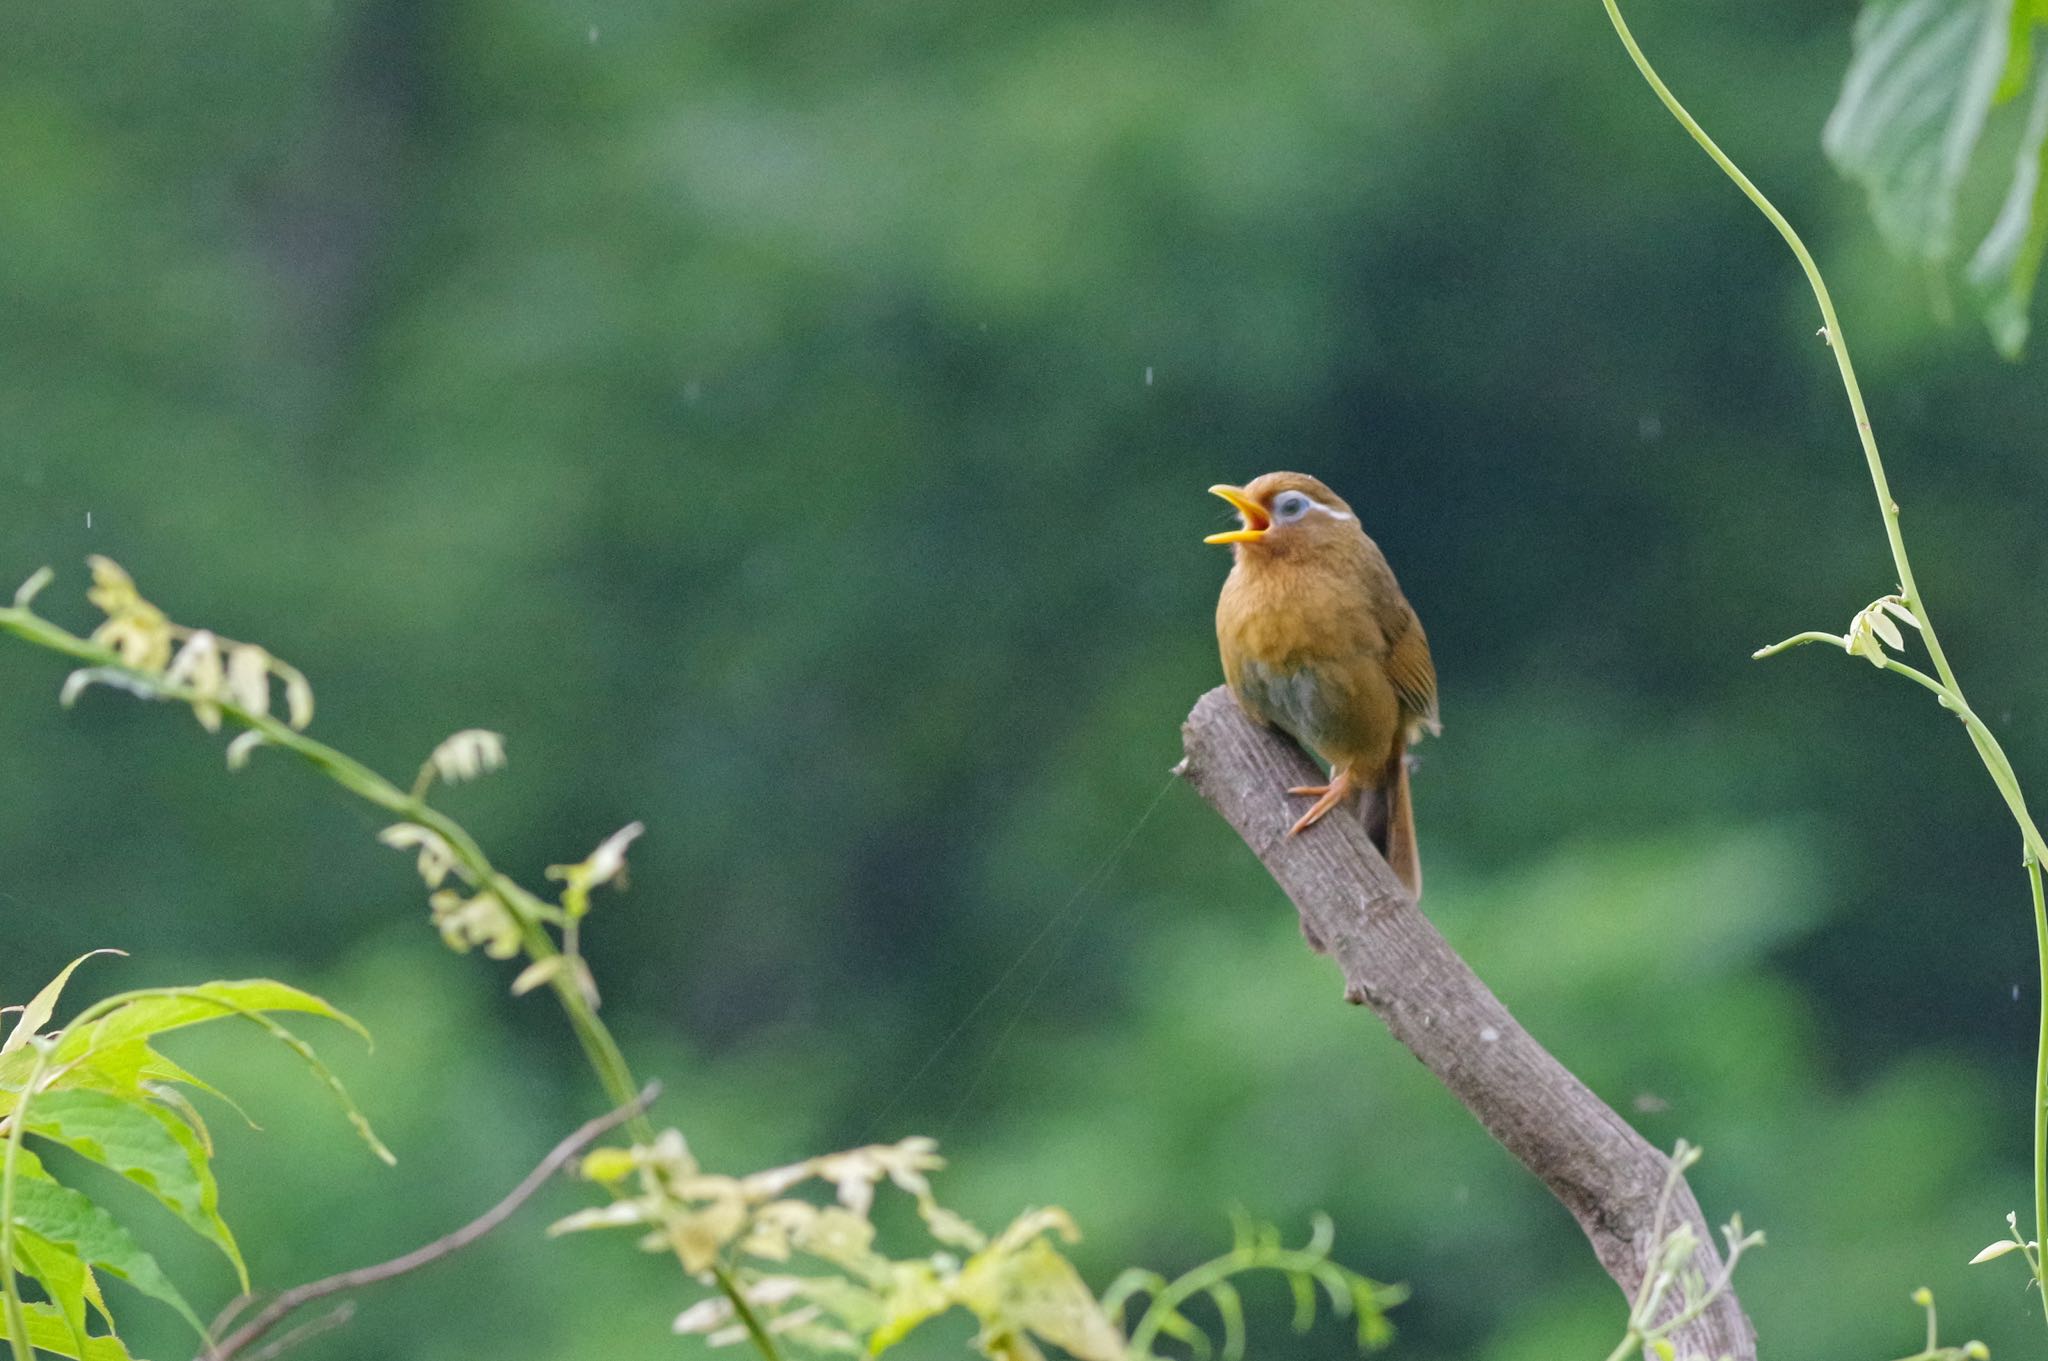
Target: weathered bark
1396, 963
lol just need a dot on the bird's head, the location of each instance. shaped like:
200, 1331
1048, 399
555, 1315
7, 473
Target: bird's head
1284, 512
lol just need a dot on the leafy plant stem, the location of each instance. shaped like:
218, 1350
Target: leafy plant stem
10, 1287
1947, 687
606, 1059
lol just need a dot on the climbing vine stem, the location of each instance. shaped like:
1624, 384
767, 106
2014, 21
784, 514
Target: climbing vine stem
1943, 682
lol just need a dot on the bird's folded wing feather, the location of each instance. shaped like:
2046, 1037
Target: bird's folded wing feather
1409, 667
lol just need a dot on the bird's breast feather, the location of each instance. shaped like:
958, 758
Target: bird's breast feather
1290, 698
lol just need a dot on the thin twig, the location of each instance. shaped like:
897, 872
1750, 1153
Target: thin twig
334, 1318
299, 1296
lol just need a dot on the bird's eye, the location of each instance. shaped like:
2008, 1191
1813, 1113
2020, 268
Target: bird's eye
1290, 506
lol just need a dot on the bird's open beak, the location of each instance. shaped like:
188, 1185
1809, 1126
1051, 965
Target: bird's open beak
1256, 521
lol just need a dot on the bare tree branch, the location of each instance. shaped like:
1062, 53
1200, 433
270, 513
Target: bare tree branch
1395, 962
299, 1296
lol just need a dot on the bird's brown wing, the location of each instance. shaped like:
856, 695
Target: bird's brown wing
1409, 668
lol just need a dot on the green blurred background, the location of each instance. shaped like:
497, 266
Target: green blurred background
788, 423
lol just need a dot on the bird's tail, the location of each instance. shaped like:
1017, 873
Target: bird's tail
1402, 856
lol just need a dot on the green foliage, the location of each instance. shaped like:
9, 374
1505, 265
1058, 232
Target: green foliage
98, 1087
1018, 1285
1909, 126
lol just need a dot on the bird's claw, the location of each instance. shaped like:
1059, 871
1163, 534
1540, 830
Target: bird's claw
1328, 796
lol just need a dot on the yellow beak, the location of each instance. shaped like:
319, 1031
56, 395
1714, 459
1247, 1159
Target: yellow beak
1256, 520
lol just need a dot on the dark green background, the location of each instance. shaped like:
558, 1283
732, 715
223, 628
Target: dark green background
744, 406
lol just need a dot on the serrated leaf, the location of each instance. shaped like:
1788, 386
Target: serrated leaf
133, 1069
62, 1274
69, 1219
1922, 80
37, 1013
49, 1332
148, 1145
152, 1013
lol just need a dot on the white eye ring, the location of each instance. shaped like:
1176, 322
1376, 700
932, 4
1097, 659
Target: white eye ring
1291, 506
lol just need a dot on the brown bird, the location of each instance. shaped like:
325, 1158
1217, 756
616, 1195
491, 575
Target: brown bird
1319, 642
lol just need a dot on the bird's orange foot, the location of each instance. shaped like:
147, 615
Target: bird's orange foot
1330, 795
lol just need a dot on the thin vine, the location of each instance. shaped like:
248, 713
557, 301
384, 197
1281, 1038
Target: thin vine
1873, 629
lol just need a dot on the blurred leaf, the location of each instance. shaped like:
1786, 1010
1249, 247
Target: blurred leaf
1038, 1290
2019, 60
149, 1146
1923, 80
1920, 84
2007, 266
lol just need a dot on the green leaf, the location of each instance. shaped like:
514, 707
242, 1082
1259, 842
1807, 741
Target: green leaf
139, 1015
356, 1119
63, 1275
142, 1014
1920, 84
148, 1145
133, 1068
68, 1218
2007, 266
2019, 43
49, 1332
36, 1014
1995, 1251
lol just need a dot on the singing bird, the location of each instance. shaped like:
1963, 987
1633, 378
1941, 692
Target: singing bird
1319, 642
